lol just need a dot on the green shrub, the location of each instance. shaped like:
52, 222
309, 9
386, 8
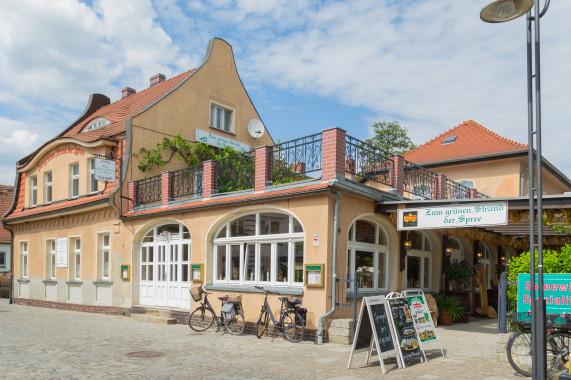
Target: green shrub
450, 305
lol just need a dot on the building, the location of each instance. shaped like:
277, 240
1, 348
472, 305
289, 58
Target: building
284, 216
6, 194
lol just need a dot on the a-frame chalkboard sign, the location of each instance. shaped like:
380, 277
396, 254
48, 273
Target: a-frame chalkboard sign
422, 318
407, 339
375, 332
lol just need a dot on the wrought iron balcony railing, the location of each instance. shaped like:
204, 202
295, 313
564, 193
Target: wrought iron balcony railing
297, 159
236, 172
149, 190
363, 160
187, 182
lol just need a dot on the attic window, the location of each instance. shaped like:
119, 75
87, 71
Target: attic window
96, 124
449, 140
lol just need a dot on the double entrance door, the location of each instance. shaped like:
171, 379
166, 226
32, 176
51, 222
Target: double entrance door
165, 274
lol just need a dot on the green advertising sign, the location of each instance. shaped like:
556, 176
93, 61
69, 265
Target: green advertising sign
556, 292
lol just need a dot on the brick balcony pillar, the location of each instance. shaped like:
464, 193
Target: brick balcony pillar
132, 195
440, 186
166, 188
208, 179
263, 168
397, 173
473, 193
332, 153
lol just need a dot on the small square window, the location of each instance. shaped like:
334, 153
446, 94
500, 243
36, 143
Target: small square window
221, 118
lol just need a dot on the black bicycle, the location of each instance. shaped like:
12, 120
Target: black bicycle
557, 349
231, 315
291, 319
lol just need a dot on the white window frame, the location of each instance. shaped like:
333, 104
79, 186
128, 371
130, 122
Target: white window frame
104, 255
380, 254
290, 238
75, 258
215, 110
34, 191
73, 179
100, 122
51, 259
48, 188
93, 183
424, 252
24, 258
469, 183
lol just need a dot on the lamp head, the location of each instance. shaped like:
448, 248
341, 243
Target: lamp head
407, 244
505, 10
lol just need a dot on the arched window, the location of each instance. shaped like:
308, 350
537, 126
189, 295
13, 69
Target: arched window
100, 122
457, 252
368, 255
418, 261
263, 248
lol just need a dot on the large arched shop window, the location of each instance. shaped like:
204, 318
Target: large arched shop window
368, 255
154, 265
263, 248
418, 261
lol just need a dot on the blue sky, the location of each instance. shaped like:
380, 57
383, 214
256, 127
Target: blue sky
307, 65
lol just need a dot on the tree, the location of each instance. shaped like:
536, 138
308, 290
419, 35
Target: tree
391, 138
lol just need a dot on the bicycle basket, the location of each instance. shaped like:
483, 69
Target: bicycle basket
195, 293
228, 311
234, 298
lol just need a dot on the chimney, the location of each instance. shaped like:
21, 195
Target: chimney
157, 78
127, 91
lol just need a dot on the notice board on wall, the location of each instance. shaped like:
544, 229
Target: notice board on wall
61, 253
374, 331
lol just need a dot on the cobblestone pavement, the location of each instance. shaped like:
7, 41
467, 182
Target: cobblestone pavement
43, 343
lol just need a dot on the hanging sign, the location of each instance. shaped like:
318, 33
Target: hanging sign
466, 215
421, 317
104, 170
374, 331
407, 338
61, 253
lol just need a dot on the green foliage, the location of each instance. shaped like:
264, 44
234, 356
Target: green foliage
189, 152
450, 305
460, 272
391, 137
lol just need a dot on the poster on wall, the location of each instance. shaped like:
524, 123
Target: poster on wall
556, 292
61, 253
407, 338
421, 317
374, 332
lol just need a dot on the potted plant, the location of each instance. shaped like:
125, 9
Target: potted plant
460, 273
449, 309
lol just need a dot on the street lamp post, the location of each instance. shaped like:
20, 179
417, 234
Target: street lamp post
501, 11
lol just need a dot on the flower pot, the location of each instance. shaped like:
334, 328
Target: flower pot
444, 318
494, 283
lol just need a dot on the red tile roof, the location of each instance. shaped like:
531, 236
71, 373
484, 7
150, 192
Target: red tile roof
472, 140
118, 112
5, 202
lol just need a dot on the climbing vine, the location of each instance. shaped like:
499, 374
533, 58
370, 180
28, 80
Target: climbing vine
191, 153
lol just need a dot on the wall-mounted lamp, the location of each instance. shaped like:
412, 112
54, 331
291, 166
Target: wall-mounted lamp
503, 258
407, 244
448, 251
480, 255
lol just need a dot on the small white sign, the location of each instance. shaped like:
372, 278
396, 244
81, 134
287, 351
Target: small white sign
464, 215
104, 170
220, 142
61, 253
315, 240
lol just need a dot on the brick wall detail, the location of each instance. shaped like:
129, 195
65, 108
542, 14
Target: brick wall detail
208, 179
263, 168
166, 188
397, 163
132, 194
332, 154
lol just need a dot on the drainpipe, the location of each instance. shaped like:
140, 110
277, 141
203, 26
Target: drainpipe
521, 181
333, 269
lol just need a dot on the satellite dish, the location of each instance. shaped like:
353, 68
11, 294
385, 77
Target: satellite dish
256, 128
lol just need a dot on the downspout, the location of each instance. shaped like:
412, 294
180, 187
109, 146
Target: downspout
521, 181
333, 268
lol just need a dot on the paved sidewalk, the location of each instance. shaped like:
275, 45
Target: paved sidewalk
45, 343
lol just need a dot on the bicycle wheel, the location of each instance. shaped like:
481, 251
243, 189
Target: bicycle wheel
519, 351
262, 324
293, 326
235, 325
557, 351
201, 319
